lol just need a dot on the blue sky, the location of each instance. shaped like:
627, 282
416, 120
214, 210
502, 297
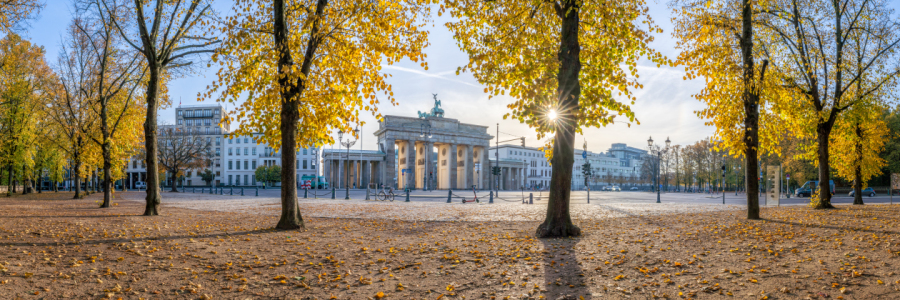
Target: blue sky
664, 107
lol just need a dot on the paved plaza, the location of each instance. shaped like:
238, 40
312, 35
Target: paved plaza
433, 206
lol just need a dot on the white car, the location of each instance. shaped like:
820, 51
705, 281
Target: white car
615, 189
140, 185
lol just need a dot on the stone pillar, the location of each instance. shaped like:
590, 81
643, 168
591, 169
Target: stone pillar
340, 173
485, 163
389, 169
431, 169
470, 167
410, 164
364, 177
452, 157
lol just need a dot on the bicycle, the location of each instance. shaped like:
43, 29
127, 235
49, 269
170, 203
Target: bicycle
386, 196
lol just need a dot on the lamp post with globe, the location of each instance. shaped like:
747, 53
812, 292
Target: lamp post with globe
347, 143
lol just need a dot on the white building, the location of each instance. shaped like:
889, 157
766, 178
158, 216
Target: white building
620, 164
244, 154
234, 160
537, 168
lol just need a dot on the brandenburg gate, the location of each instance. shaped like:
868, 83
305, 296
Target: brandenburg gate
408, 143
406, 146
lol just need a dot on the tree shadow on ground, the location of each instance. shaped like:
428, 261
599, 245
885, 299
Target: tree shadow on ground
141, 239
564, 277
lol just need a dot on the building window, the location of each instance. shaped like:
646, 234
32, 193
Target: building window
304, 164
246, 140
229, 141
245, 179
179, 121
217, 152
134, 164
298, 164
237, 140
253, 178
304, 152
253, 164
246, 151
229, 165
237, 180
179, 113
238, 163
253, 150
229, 179
229, 152
245, 165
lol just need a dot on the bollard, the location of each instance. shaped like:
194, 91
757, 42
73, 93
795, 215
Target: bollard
231, 191
305, 193
194, 190
257, 191
450, 193
530, 198
367, 192
332, 193
407, 195
242, 191
491, 200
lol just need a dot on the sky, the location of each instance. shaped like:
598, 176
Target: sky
664, 106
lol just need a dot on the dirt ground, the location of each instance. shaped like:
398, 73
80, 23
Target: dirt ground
52, 247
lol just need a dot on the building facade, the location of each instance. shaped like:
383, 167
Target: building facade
233, 160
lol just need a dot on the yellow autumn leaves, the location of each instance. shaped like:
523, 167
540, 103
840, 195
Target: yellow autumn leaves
354, 39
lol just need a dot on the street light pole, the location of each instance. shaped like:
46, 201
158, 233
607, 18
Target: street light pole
348, 143
659, 153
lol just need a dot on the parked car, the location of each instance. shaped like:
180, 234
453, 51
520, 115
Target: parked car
605, 188
140, 185
634, 188
866, 192
615, 189
810, 186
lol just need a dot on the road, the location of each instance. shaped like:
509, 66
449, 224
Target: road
541, 196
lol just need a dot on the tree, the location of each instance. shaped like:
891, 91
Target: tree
181, 149
339, 48
564, 63
827, 69
718, 44
208, 177
14, 12
24, 80
114, 75
859, 139
168, 34
268, 175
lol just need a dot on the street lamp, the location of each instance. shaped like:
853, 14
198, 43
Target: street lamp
425, 133
659, 153
347, 143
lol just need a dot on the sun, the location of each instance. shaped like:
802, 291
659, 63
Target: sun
552, 115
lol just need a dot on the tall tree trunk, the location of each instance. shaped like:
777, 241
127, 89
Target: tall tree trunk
25, 183
750, 96
174, 180
857, 176
12, 185
154, 197
290, 91
73, 174
105, 151
823, 133
558, 222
